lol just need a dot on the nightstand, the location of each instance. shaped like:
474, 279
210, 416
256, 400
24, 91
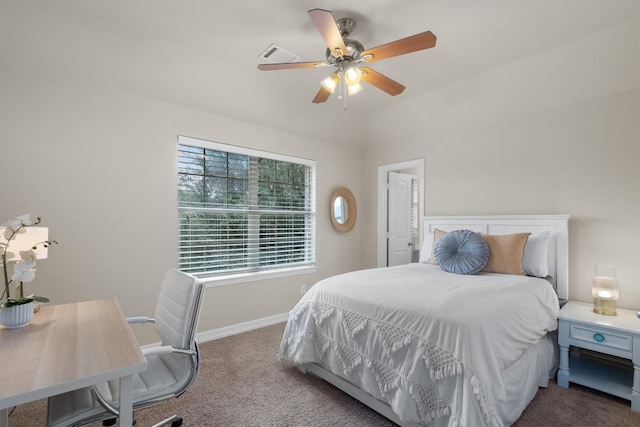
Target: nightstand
613, 335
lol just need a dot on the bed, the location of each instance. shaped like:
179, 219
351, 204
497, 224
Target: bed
423, 346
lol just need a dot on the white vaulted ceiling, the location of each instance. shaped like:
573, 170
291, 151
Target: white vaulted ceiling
204, 53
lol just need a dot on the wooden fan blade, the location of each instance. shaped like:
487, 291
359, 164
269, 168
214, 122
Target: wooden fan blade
322, 95
326, 24
381, 81
290, 65
410, 44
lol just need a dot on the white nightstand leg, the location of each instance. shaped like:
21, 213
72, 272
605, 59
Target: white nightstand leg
563, 369
635, 389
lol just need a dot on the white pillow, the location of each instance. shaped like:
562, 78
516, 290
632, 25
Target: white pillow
427, 245
431, 239
535, 256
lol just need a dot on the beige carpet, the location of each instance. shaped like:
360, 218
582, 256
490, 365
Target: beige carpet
241, 384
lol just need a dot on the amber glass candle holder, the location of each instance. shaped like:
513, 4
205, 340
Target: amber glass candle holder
605, 290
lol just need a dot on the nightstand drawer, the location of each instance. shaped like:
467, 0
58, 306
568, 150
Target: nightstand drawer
601, 338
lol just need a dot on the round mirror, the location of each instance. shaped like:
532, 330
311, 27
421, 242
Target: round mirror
343, 210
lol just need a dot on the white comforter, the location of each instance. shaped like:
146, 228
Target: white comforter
430, 343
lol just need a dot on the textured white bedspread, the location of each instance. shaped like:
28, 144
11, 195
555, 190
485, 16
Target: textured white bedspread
430, 343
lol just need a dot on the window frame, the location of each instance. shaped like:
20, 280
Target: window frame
222, 278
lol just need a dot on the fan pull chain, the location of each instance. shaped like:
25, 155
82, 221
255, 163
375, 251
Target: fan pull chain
343, 92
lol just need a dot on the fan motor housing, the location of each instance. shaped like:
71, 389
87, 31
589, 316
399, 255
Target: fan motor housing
354, 49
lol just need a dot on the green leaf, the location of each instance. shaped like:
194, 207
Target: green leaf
17, 301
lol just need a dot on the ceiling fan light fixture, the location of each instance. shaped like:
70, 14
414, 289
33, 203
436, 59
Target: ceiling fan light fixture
353, 76
330, 82
354, 88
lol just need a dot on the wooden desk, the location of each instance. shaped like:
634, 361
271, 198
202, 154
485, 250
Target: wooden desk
67, 347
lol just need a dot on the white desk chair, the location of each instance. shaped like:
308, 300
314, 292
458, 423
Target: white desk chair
172, 366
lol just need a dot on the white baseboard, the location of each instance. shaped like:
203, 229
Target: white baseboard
239, 328
214, 334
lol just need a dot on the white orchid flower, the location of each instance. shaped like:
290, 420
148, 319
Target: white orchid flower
25, 219
28, 255
24, 271
18, 222
7, 232
12, 224
10, 255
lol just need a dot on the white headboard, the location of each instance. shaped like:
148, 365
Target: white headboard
558, 225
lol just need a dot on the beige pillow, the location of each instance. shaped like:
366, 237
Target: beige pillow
437, 234
505, 253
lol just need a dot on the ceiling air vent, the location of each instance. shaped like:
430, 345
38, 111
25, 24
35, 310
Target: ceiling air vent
277, 55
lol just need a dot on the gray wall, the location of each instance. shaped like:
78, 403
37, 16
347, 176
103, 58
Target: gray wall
556, 133
100, 167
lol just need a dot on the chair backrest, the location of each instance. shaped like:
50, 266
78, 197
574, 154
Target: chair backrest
177, 310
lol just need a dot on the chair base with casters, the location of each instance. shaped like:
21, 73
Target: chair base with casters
171, 367
175, 421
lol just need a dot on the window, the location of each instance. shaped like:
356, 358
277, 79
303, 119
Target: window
415, 205
243, 210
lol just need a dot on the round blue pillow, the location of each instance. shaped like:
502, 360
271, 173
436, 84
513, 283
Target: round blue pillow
461, 252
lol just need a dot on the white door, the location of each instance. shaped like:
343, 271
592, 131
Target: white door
399, 227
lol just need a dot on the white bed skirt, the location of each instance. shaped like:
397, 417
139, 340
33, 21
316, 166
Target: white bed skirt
522, 380
526, 375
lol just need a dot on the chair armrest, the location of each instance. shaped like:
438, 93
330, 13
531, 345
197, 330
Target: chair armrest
140, 319
164, 349
157, 350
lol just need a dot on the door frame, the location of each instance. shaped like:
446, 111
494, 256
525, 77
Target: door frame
383, 201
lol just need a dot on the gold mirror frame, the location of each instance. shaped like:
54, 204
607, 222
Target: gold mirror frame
351, 209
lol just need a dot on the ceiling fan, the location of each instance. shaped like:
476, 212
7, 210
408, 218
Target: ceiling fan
349, 57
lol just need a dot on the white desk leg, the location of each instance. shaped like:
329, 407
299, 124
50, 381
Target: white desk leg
126, 401
4, 417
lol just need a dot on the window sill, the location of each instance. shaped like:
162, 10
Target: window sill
232, 279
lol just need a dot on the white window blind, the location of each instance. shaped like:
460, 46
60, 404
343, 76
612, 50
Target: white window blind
415, 206
243, 210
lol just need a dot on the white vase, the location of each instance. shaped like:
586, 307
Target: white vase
16, 316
